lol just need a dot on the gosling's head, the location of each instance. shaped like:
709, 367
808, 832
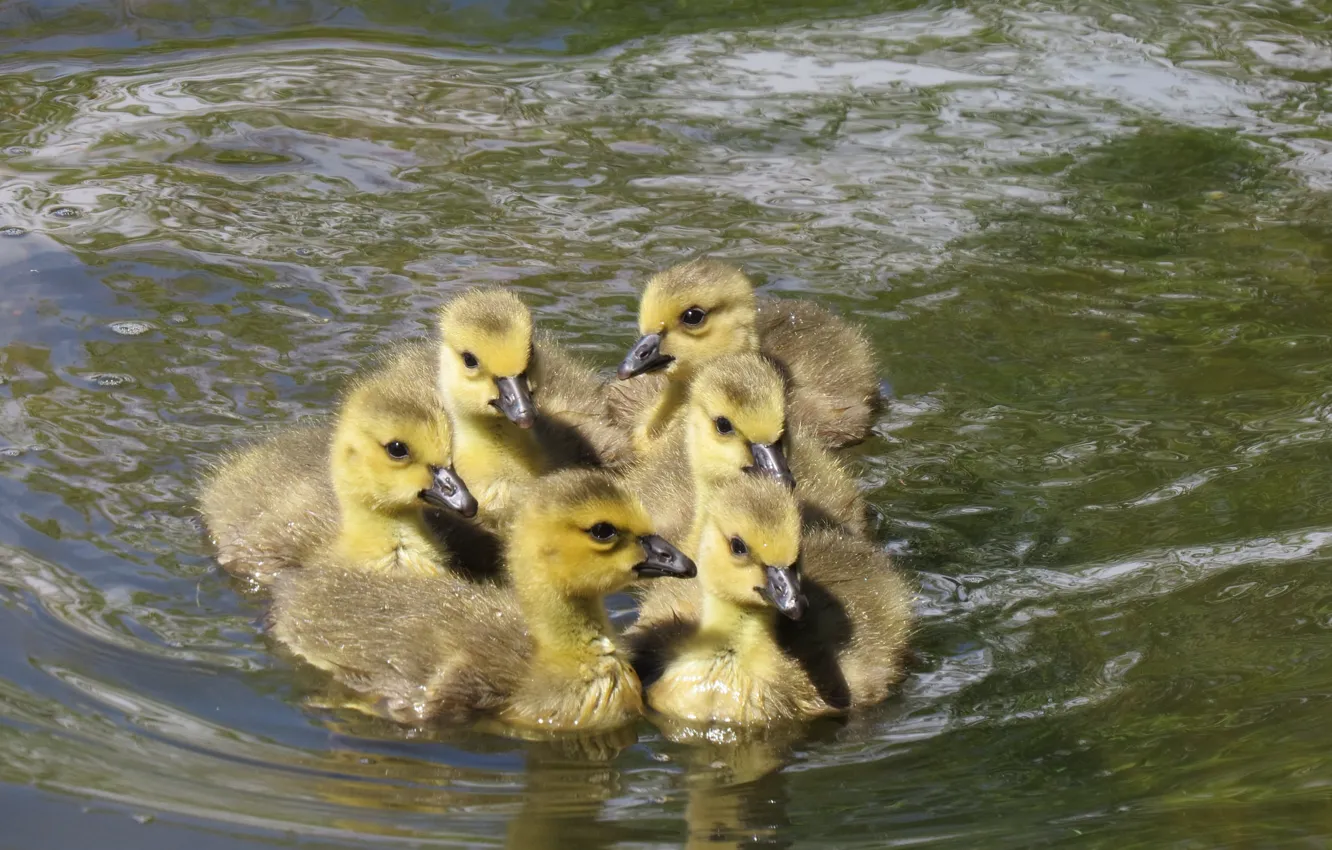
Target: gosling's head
582, 533
392, 447
690, 314
749, 550
485, 349
737, 419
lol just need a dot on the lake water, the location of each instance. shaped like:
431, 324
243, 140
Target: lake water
1092, 242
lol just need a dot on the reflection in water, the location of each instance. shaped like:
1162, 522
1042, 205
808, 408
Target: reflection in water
751, 814
737, 795
562, 801
734, 793
1091, 243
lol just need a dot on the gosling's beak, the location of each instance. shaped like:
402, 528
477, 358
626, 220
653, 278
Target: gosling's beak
645, 356
771, 461
515, 400
663, 559
449, 491
783, 591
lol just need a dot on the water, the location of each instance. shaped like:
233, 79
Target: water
1091, 241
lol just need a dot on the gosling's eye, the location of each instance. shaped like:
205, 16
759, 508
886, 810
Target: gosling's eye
738, 547
603, 532
469, 360
397, 450
723, 424
694, 316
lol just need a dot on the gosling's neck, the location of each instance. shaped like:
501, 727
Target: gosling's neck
705, 479
665, 409
748, 633
493, 456
568, 632
676, 392
578, 678
380, 541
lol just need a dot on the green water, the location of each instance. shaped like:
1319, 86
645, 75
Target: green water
1091, 241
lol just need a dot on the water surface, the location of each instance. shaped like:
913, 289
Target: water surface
1090, 240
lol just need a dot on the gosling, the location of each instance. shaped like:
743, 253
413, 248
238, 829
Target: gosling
777, 629
537, 655
359, 488
702, 310
735, 422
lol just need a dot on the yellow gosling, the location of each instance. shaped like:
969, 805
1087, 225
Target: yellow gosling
485, 346
703, 310
514, 407
357, 489
538, 655
735, 422
776, 628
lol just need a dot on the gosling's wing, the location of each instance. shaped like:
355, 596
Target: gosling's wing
853, 637
834, 376
270, 504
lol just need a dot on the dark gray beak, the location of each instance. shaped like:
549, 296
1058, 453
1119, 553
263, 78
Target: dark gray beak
771, 461
448, 491
645, 356
515, 400
783, 591
663, 559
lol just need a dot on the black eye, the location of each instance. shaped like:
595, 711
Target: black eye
694, 316
469, 360
724, 425
738, 547
396, 449
603, 532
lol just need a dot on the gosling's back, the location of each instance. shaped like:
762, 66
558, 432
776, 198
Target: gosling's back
835, 385
424, 647
573, 402
853, 637
268, 505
